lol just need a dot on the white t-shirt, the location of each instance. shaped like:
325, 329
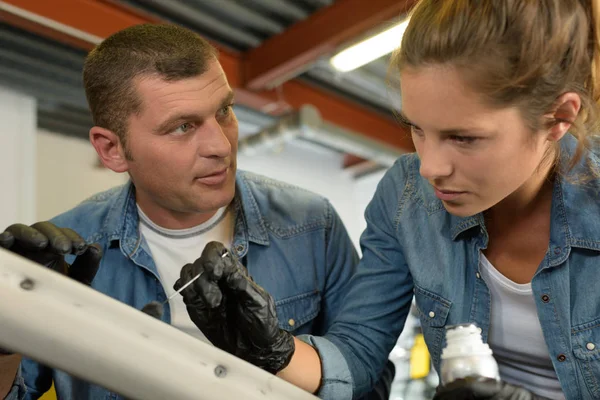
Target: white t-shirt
171, 249
516, 337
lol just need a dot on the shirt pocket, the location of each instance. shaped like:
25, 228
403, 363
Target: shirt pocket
433, 313
298, 311
586, 349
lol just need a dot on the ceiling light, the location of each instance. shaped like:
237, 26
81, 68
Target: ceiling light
369, 49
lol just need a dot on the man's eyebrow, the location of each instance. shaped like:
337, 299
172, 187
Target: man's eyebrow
165, 125
227, 100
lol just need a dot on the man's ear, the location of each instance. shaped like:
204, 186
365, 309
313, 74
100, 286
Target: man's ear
564, 113
109, 149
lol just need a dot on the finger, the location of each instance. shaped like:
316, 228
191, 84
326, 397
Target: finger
79, 246
58, 242
185, 275
212, 260
86, 265
246, 291
27, 237
209, 291
203, 290
6, 239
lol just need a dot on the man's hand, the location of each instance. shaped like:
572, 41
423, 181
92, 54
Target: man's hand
483, 389
233, 312
47, 244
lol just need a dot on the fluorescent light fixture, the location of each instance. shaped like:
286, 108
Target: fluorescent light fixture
369, 49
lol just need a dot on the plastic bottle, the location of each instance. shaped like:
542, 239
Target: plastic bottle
466, 356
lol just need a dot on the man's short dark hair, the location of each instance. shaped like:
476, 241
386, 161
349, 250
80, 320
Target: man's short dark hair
165, 50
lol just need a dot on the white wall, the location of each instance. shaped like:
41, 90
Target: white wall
364, 189
68, 173
17, 157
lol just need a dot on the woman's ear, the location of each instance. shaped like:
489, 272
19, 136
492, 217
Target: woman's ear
110, 149
565, 112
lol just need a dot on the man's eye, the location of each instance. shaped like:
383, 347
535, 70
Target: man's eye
225, 111
183, 128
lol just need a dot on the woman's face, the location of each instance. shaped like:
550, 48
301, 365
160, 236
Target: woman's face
473, 155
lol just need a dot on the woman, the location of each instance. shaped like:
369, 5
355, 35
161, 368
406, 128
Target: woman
494, 221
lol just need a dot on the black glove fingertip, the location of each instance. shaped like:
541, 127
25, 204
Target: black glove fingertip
177, 285
6, 240
95, 251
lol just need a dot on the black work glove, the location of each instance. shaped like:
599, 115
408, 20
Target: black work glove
234, 313
47, 244
483, 389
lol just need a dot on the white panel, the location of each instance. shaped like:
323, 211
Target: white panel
68, 173
106, 342
17, 157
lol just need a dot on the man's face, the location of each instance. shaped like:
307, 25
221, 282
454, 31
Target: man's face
183, 145
473, 155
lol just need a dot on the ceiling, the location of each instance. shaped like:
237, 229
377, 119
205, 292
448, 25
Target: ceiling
51, 71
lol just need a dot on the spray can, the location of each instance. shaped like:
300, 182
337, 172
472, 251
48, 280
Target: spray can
466, 356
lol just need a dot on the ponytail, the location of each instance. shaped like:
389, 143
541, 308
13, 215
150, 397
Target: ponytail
594, 13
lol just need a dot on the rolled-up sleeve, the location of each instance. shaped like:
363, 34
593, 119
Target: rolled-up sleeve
358, 343
18, 390
336, 380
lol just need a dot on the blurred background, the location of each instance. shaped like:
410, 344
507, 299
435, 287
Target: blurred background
314, 100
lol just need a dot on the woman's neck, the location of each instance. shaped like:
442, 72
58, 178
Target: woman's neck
534, 196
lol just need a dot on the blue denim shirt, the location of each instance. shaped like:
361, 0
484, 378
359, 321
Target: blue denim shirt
292, 242
412, 247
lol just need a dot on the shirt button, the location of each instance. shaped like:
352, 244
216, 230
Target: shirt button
557, 250
431, 314
590, 346
239, 248
478, 275
545, 298
291, 322
561, 357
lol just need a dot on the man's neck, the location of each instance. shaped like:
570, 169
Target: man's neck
170, 219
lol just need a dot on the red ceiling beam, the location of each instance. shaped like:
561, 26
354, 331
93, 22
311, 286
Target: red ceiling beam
82, 23
284, 56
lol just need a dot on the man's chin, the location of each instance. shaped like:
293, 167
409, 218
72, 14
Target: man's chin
216, 198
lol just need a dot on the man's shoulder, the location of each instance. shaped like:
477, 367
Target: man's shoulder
282, 204
90, 216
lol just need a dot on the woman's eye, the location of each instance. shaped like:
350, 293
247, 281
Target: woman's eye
463, 139
415, 130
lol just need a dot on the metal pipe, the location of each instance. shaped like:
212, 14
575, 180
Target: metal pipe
111, 344
307, 124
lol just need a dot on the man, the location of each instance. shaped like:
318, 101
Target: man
162, 109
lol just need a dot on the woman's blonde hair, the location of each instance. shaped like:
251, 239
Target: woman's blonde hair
522, 53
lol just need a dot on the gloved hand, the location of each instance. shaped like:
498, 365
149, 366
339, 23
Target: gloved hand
47, 244
234, 313
483, 389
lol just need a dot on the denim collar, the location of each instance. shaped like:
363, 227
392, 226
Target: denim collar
122, 220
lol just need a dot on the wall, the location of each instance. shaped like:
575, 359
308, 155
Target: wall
67, 174
17, 157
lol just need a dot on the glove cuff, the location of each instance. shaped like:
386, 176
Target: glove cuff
280, 353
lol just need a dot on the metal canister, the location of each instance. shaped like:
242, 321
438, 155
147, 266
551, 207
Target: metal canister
466, 356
